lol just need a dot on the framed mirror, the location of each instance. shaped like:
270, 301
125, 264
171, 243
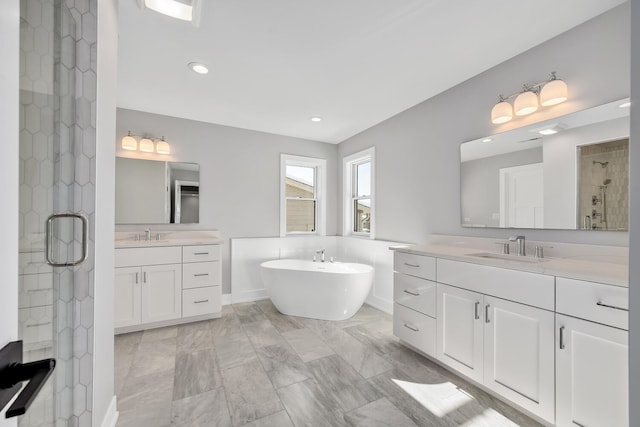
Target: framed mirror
156, 192
570, 172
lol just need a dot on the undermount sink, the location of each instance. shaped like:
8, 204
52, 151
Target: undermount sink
504, 257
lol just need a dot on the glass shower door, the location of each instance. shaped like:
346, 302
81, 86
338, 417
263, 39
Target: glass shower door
57, 149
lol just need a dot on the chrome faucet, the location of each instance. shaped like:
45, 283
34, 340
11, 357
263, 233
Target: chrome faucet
521, 247
147, 232
321, 252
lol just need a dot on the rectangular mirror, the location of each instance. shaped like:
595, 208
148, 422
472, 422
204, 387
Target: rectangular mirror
157, 192
570, 172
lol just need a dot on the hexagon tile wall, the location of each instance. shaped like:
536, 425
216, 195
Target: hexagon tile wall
57, 174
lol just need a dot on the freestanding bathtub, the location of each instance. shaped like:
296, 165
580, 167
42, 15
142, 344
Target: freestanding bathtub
319, 290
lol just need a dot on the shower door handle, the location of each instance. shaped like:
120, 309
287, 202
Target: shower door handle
48, 239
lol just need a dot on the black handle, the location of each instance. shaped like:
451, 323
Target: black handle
13, 372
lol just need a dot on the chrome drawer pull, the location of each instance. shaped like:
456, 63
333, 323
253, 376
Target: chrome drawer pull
477, 311
486, 314
137, 278
561, 337
201, 253
412, 265
201, 274
410, 326
38, 290
201, 301
35, 325
601, 304
410, 292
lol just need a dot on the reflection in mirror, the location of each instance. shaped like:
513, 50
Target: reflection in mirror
156, 192
544, 175
602, 185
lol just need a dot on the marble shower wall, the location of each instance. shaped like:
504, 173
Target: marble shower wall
600, 162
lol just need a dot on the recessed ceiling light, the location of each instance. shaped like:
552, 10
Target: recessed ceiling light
316, 119
547, 131
487, 140
198, 67
625, 105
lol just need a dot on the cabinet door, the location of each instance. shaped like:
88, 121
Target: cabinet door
592, 374
161, 292
126, 304
460, 330
519, 354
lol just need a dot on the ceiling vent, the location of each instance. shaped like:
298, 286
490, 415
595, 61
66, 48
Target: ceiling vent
185, 10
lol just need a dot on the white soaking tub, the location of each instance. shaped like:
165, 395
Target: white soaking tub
318, 290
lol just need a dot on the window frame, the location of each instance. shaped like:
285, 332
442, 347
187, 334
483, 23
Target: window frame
320, 166
350, 196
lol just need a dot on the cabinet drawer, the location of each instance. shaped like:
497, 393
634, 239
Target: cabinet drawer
415, 265
520, 286
200, 274
200, 253
415, 329
131, 257
415, 293
198, 301
593, 301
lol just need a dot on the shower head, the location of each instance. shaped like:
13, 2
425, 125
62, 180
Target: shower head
606, 182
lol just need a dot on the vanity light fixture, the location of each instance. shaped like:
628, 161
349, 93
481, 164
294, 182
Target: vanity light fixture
549, 92
487, 140
316, 119
147, 144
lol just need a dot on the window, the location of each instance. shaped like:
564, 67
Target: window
359, 194
302, 186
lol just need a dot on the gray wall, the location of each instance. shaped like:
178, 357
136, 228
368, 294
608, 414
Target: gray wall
634, 219
417, 151
480, 184
239, 174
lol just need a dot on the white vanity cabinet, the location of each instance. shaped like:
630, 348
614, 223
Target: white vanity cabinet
414, 292
163, 285
592, 374
501, 338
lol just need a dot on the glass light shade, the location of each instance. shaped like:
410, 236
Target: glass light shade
129, 143
502, 112
553, 93
162, 147
146, 145
525, 103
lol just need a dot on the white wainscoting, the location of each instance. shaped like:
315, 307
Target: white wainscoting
248, 253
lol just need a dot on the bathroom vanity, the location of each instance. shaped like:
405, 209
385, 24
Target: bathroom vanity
549, 335
171, 280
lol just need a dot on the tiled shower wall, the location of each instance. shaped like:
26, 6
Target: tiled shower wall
592, 176
57, 171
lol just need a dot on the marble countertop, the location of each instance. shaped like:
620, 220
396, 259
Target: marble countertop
582, 267
168, 238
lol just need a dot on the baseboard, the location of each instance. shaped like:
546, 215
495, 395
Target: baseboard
380, 304
111, 417
226, 299
249, 296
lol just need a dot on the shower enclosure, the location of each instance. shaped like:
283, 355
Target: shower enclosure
56, 208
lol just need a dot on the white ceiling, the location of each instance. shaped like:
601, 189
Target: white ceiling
274, 64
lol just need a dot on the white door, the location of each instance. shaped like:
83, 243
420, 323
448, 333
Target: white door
519, 354
161, 292
127, 302
592, 374
521, 196
460, 330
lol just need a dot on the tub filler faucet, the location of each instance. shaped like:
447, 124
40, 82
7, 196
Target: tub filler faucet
321, 252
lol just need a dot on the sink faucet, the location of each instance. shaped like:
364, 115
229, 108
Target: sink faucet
321, 252
147, 232
521, 247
